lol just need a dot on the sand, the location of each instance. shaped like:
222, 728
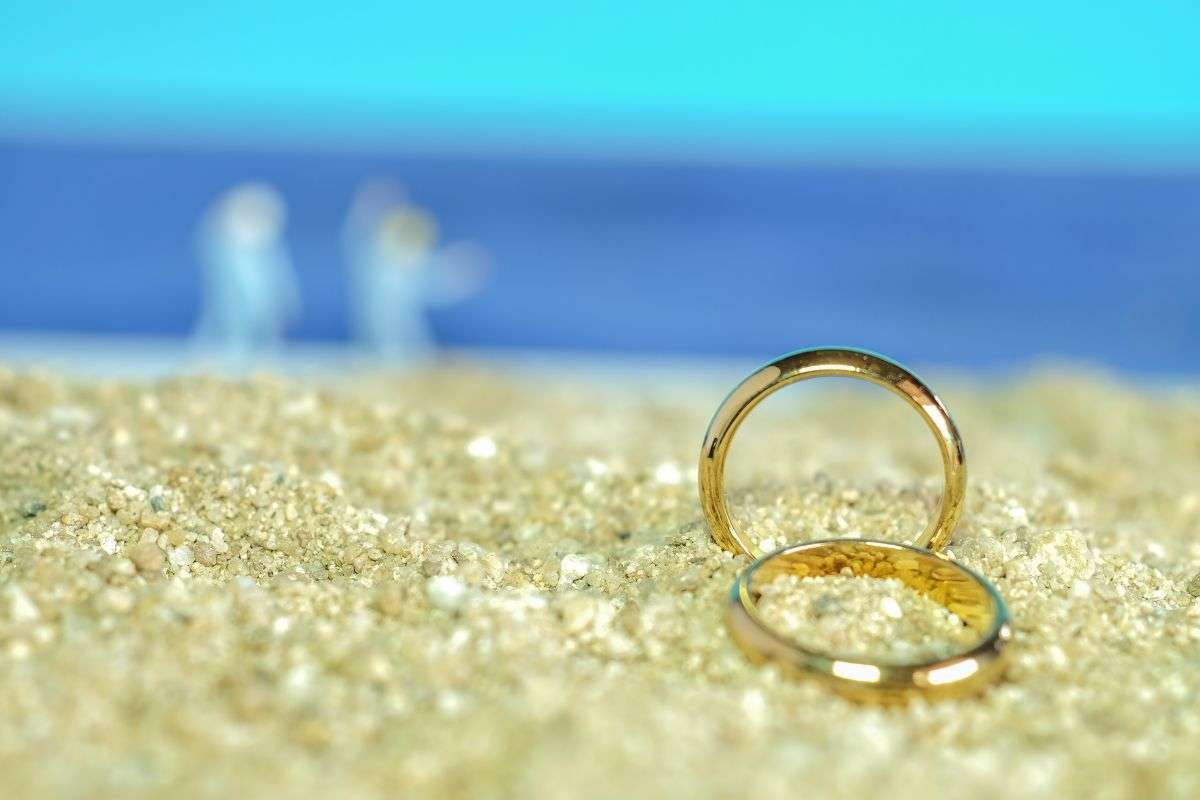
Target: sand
464, 584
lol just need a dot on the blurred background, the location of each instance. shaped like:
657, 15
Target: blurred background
948, 183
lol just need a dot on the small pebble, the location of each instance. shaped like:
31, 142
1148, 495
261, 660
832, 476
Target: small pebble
446, 592
182, 556
147, 557
573, 566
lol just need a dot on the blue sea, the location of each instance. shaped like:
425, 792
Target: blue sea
965, 266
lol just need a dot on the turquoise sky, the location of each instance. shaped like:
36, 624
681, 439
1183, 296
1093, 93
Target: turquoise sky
1120, 78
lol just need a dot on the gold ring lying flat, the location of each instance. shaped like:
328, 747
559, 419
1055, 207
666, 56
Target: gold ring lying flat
816, 363
959, 589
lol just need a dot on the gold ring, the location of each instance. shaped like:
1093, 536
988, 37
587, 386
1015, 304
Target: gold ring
821, 362
962, 591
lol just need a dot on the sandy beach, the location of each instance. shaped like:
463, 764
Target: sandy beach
460, 584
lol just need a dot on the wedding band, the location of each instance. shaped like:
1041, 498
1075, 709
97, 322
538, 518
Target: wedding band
816, 363
975, 601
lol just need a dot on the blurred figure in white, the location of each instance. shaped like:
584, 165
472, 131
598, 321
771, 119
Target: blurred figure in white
374, 198
250, 290
397, 272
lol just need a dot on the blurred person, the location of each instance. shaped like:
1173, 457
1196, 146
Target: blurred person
250, 289
397, 272
374, 198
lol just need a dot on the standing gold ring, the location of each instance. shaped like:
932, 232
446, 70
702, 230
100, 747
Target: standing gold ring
955, 587
816, 363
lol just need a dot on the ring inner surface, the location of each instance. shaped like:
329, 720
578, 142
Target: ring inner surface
942, 581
